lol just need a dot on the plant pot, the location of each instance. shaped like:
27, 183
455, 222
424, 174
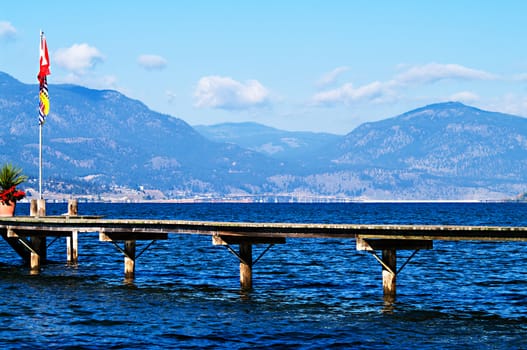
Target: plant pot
7, 209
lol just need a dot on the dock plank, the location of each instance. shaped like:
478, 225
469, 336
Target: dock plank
266, 229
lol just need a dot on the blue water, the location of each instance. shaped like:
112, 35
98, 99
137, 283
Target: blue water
308, 293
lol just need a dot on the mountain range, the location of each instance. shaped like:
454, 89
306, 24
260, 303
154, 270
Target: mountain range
100, 144
295, 146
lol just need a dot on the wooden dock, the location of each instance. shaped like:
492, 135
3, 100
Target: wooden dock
28, 236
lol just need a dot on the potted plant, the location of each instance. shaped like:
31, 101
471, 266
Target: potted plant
10, 177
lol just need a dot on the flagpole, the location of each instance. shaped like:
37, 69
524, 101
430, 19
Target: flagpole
40, 142
40, 163
43, 97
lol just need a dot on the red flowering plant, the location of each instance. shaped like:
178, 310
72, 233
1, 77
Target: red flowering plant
10, 177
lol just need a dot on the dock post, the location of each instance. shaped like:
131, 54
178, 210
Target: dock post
129, 260
389, 275
33, 208
38, 253
389, 249
38, 244
37, 207
41, 207
72, 244
245, 253
246, 265
73, 207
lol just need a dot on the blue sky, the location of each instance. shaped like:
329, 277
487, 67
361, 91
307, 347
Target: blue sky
325, 66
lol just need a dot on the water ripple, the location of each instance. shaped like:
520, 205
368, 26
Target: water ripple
308, 294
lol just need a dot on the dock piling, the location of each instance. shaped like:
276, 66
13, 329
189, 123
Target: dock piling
129, 250
39, 249
389, 274
38, 253
245, 254
73, 207
246, 266
39, 209
388, 261
33, 208
129, 260
72, 243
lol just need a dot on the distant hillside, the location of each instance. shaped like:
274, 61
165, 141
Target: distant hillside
101, 144
97, 139
441, 151
286, 145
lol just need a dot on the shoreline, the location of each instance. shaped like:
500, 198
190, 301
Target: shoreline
248, 201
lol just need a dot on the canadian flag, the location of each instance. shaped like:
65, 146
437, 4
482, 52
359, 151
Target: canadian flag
43, 106
44, 58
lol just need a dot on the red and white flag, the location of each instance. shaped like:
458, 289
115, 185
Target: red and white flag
43, 108
44, 57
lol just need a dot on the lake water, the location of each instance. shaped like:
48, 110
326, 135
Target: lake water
308, 293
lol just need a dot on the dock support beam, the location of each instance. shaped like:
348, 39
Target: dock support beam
32, 249
14, 241
129, 249
245, 254
72, 242
39, 249
246, 266
389, 275
389, 249
129, 260
38, 253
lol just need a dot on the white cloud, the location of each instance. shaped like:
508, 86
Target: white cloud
330, 77
7, 30
510, 103
78, 58
464, 96
432, 72
171, 96
227, 93
520, 77
107, 81
376, 92
91, 81
384, 91
152, 62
